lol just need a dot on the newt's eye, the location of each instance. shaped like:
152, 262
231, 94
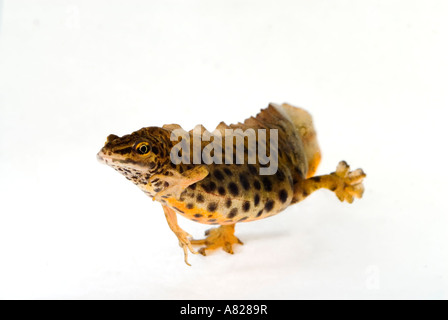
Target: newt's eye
142, 148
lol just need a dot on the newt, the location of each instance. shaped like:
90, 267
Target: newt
227, 192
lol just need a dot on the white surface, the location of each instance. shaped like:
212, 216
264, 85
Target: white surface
372, 73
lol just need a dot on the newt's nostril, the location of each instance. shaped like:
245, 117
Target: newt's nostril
111, 137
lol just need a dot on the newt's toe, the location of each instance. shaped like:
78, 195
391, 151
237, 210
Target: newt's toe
222, 237
350, 182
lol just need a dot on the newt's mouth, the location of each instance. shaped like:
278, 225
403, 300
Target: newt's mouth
114, 160
102, 158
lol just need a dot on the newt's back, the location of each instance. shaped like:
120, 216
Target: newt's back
235, 192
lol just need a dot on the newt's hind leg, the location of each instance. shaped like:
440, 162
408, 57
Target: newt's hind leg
222, 237
346, 184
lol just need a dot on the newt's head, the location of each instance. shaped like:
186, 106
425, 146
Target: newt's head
138, 155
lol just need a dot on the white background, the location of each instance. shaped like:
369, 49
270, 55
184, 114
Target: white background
372, 73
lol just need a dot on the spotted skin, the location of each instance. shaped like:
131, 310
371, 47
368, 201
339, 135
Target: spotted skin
229, 201
225, 194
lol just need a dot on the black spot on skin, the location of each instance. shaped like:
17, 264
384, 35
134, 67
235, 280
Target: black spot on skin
228, 202
256, 199
173, 165
166, 184
246, 206
218, 174
190, 205
151, 165
305, 194
244, 218
283, 195
244, 181
155, 150
269, 205
333, 188
179, 210
181, 169
158, 183
280, 175
228, 172
212, 186
232, 213
317, 179
198, 215
252, 169
257, 185
206, 187
200, 198
157, 190
233, 188
267, 184
259, 213
192, 186
212, 206
222, 191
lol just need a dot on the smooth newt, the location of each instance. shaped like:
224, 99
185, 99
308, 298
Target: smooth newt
225, 194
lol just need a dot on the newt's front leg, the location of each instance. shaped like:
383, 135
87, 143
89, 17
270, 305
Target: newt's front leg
178, 182
184, 237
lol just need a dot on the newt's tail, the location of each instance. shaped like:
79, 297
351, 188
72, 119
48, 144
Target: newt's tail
303, 121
